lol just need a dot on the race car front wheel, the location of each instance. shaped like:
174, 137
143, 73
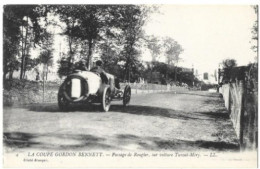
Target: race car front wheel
106, 99
126, 95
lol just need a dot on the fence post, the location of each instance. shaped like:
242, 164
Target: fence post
242, 118
43, 90
229, 99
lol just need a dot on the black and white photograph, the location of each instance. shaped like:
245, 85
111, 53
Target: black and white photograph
130, 85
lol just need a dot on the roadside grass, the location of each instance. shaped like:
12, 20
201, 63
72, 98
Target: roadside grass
21, 92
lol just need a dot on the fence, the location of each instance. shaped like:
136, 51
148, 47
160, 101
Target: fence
241, 100
139, 88
25, 92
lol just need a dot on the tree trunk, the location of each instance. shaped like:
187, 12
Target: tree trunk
24, 41
89, 53
47, 69
70, 57
71, 50
151, 73
24, 73
175, 74
126, 66
22, 62
128, 74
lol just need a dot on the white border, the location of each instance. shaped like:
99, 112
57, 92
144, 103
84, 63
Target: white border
212, 2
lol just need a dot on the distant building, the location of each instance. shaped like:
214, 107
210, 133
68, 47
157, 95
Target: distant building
205, 76
209, 78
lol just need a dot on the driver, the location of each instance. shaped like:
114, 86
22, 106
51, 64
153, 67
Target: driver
98, 69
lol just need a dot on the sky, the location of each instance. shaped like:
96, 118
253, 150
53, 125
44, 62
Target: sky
208, 33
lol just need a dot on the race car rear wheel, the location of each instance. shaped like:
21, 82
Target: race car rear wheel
106, 99
127, 95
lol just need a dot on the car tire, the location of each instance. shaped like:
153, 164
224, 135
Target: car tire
127, 95
106, 99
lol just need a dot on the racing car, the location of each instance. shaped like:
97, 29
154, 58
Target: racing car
90, 87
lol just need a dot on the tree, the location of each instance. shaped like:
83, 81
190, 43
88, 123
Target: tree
30, 64
69, 14
110, 57
99, 27
85, 24
91, 22
46, 55
172, 51
153, 44
10, 41
46, 58
132, 20
31, 31
229, 63
21, 23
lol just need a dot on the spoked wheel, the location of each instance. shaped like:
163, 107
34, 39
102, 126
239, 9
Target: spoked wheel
106, 99
63, 102
127, 95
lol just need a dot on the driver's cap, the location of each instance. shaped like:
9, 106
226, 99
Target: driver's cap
99, 63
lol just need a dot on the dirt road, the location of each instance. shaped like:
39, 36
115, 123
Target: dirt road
159, 121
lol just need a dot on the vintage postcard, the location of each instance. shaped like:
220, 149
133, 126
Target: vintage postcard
130, 85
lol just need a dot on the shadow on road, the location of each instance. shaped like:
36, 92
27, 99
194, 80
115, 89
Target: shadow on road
53, 108
54, 141
116, 142
132, 109
201, 93
156, 111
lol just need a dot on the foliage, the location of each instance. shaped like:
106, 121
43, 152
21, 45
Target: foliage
30, 63
153, 44
64, 67
229, 63
10, 41
22, 30
46, 55
86, 23
110, 58
172, 50
132, 20
115, 32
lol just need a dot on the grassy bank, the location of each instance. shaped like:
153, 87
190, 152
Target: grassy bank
20, 92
